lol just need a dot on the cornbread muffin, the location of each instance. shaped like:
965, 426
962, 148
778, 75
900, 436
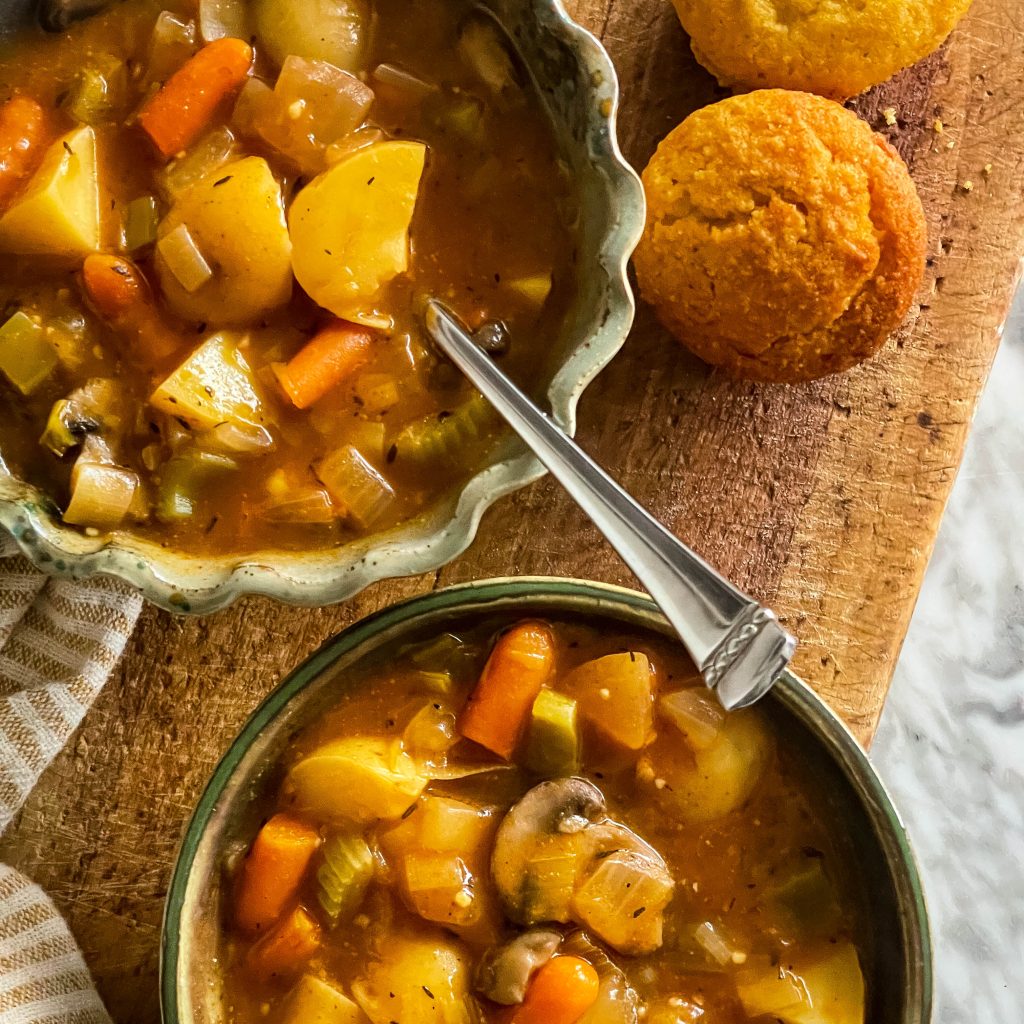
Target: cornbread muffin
836, 49
784, 238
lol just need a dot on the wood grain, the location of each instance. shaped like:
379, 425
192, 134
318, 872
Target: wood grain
823, 500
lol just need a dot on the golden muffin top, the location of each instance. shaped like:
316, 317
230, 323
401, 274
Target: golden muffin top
832, 48
784, 239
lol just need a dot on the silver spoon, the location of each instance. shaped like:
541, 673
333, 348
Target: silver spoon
738, 645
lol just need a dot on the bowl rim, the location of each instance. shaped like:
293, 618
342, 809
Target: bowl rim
475, 598
190, 584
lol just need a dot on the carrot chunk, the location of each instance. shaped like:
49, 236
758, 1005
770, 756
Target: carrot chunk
499, 707
333, 354
118, 291
560, 992
24, 130
284, 950
273, 871
189, 100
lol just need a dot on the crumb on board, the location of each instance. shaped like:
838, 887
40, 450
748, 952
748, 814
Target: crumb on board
986, 170
890, 116
967, 186
937, 126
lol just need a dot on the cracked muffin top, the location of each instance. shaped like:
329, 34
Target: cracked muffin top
784, 239
835, 49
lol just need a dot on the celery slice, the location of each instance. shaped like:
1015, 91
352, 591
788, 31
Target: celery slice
344, 876
26, 356
454, 439
182, 481
100, 91
140, 220
184, 260
553, 742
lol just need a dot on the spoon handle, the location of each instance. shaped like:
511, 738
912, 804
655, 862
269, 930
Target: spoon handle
739, 646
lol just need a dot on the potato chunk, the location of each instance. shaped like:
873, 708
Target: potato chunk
350, 225
235, 217
361, 779
332, 30
58, 214
214, 385
313, 1001
616, 696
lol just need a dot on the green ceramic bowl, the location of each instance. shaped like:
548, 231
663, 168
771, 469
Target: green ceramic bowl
576, 80
898, 966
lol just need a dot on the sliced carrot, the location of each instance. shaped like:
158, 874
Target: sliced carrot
119, 292
333, 354
24, 130
560, 992
284, 950
272, 872
189, 100
499, 707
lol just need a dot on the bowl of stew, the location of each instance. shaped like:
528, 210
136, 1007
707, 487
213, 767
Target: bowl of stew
514, 801
219, 222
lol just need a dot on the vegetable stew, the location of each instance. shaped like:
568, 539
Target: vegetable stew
218, 222
541, 824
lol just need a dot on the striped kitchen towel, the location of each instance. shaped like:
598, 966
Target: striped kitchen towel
59, 641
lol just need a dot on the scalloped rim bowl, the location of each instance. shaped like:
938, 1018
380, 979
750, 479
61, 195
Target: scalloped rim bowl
576, 80
899, 958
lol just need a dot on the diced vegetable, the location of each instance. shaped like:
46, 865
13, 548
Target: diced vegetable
305, 504
58, 436
377, 393
360, 779
214, 150
707, 784
172, 43
273, 870
447, 825
552, 739
140, 220
100, 91
448, 438
214, 385
360, 489
27, 358
121, 295
554, 869
312, 105
331, 356
344, 876
802, 901
58, 214
483, 48
445, 653
696, 713
350, 225
237, 222
561, 992
189, 100
623, 901
313, 1001
827, 991
182, 480
439, 887
219, 19
179, 254
101, 495
393, 79
24, 129
331, 30
499, 707
617, 1002
431, 731
718, 945
287, 947
534, 289
616, 696
418, 981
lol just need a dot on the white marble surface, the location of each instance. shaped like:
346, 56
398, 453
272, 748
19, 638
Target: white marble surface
951, 742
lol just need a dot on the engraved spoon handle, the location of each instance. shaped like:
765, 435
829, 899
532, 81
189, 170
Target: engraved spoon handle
739, 646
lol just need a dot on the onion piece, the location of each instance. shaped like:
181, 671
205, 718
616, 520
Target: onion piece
183, 259
717, 945
222, 18
696, 713
101, 495
403, 82
361, 490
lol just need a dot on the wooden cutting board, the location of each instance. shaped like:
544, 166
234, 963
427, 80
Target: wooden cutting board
822, 500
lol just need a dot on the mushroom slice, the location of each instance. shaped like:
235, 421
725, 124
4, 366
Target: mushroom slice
505, 972
559, 857
541, 849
